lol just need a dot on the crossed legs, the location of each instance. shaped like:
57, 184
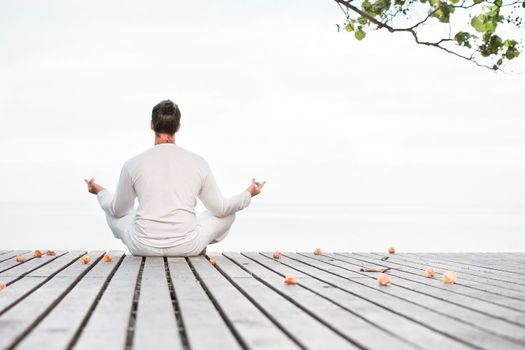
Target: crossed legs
210, 229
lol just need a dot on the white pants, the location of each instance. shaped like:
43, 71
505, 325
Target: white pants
210, 229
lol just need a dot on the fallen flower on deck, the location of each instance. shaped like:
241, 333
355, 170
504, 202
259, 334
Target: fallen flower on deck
86, 259
318, 251
449, 277
51, 253
107, 258
277, 254
290, 279
213, 261
374, 269
391, 250
383, 279
20, 258
429, 272
2, 286
37, 253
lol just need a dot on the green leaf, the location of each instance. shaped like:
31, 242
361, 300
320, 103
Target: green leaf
512, 53
478, 22
359, 34
510, 43
349, 27
362, 20
462, 38
490, 27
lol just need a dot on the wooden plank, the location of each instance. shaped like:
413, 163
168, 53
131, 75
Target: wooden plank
253, 328
12, 254
18, 320
467, 275
60, 326
499, 266
33, 280
490, 261
499, 262
479, 291
480, 283
306, 330
8, 261
503, 280
490, 317
468, 333
51, 268
30, 265
347, 322
156, 325
2, 252
204, 326
107, 328
372, 310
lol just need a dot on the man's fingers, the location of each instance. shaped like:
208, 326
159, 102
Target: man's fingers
86, 181
262, 184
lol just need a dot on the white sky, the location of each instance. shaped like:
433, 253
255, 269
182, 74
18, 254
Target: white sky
267, 89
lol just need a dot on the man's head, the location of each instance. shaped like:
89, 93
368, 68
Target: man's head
165, 118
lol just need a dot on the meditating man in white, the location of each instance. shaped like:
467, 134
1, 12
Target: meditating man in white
167, 180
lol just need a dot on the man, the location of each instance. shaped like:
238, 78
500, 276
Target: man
167, 180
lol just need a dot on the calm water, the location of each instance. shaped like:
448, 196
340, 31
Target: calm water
81, 225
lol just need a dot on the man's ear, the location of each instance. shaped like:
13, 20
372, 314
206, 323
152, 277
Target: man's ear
178, 128
151, 125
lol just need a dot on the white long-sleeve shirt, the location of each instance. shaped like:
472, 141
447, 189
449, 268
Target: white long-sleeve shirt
167, 180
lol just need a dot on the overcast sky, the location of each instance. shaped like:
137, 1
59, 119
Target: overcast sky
267, 89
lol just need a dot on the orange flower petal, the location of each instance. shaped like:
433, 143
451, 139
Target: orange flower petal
290, 279
213, 261
51, 253
383, 279
277, 254
86, 259
449, 277
391, 250
318, 251
2, 286
107, 258
429, 272
37, 253
20, 258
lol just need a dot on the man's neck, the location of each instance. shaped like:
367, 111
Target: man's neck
164, 138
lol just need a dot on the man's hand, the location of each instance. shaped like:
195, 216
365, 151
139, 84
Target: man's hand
255, 187
93, 187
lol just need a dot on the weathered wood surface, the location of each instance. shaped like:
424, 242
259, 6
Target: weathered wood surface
59, 302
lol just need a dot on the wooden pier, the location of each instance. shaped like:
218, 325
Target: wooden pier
60, 302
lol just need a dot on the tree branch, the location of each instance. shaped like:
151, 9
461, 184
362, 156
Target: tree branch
412, 30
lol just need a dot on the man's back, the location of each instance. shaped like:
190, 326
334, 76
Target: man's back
167, 180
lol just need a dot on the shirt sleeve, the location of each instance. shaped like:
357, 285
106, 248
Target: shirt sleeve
215, 202
123, 200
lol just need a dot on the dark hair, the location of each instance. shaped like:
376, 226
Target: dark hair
165, 117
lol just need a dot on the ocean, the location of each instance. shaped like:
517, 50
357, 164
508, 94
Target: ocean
71, 225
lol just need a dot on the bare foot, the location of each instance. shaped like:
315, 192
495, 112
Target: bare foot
203, 252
